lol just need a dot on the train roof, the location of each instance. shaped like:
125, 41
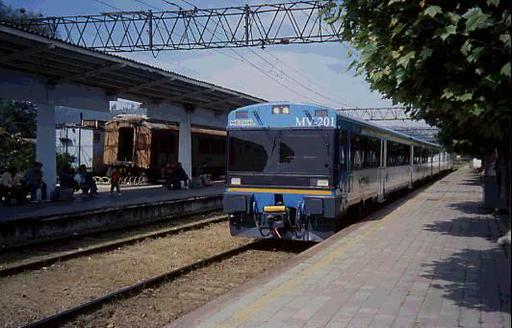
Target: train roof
346, 118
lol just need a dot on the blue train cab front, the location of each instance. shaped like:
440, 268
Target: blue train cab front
281, 174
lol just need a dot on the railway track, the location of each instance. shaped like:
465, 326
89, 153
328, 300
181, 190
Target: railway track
129, 291
97, 307
105, 247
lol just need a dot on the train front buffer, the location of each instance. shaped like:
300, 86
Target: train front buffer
282, 216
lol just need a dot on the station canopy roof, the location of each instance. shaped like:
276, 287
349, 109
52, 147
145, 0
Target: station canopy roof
61, 62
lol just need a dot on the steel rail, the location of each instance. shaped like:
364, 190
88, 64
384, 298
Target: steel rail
123, 292
37, 264
69, 314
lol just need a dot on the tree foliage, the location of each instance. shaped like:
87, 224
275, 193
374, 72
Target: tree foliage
18, 117
22, 17
17, 133
448, 60
64, 160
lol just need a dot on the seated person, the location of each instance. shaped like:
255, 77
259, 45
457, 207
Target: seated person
85, 181
66, 178
34, 181
166, 174
11, 186
178, 175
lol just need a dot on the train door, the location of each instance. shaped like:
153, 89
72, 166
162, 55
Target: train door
431, 163
345, 167
439, 162
411, 165
382, 171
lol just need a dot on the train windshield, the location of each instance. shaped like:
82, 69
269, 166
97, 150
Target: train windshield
273, 151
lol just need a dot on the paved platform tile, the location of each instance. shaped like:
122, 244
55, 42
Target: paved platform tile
430, 262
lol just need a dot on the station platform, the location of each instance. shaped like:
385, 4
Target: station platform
428, 260
36, 223
129, 196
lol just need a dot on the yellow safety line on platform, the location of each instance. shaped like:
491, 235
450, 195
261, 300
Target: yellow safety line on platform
267, 299
283, 191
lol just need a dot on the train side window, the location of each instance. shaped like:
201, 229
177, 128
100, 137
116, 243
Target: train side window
357, 154
343, 142
365, 152
398, 154
419, 155
371, 149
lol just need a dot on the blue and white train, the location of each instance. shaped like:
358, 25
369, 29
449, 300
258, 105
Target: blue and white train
294, 169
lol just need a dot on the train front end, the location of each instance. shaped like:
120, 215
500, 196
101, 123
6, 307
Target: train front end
281, 172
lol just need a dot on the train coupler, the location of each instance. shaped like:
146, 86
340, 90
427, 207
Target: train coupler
273, 221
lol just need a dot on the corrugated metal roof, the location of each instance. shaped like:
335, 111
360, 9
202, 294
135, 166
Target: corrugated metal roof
60, 61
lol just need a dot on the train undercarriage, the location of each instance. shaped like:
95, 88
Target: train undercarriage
282, 222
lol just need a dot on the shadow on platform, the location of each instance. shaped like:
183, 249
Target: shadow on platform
464, 226
470, 207
472, 278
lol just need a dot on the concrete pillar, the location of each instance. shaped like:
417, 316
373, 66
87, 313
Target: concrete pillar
46, 140
185, 144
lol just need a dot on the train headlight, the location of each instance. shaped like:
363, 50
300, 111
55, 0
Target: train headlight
236, 181
322, 183
280, 109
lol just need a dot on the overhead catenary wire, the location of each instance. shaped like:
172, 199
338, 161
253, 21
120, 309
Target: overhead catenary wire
299, 83
189, 3
108, 5
280, 73
304, 76
245, 60
274, 73
172, 4
147, 4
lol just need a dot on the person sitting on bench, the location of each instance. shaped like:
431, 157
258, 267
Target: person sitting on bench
34, 181
86, 181
11, 186
178, 175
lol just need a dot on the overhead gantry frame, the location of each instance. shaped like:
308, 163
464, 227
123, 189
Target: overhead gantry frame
230, 27
393, 114
377, 113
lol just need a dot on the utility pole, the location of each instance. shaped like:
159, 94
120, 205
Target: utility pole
80, 140
150, 29
247, 12
67, 140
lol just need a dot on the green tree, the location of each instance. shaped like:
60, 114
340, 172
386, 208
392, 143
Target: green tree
64, 160
17, 134
18, 117
449, 61
22, 17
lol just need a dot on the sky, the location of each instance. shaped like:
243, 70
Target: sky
322, 68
